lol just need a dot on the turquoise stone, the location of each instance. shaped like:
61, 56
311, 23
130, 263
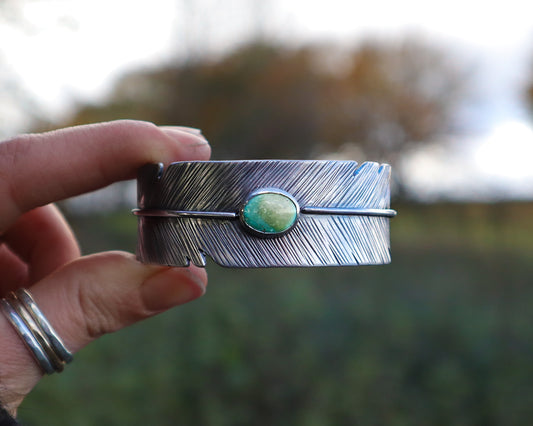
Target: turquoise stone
270, 213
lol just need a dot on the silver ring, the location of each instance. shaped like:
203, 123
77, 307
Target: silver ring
56, 343
264, 213
27, 337
36, 332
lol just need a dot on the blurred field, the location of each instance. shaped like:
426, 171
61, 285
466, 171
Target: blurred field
442, 336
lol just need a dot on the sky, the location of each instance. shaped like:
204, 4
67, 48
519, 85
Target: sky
70, 51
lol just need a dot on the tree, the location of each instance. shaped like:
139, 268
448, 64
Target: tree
258, 102
393, 96
265, 101
528, 92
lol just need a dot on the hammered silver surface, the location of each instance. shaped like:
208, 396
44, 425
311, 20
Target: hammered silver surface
315, 240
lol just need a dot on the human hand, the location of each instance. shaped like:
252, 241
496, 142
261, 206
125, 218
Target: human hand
83, 297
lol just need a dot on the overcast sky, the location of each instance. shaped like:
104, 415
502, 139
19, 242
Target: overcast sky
70, 50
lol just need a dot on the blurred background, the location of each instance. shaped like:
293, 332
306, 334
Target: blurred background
441, 90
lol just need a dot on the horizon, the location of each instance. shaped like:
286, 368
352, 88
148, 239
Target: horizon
489, 161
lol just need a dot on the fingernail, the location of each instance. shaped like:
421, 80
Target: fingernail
180, 129
187, 138
192, 130
172, 287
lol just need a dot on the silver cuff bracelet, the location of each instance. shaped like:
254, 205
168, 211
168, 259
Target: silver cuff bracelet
264, 213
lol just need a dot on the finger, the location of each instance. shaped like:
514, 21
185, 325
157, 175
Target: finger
43, 239
41, 168
14, 271
105, 292
88, 297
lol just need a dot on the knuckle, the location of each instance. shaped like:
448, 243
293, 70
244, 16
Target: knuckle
135, 140
11, 152
131, 129
95, 317
119, 305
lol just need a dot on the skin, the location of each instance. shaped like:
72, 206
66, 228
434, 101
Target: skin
83, 297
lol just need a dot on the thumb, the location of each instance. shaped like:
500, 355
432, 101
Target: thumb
91, 296
105, 292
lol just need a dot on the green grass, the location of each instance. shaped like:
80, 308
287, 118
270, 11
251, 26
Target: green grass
443, 335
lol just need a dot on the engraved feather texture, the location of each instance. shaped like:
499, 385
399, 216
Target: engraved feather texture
223, 186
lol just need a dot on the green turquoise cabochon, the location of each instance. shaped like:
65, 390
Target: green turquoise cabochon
270, 212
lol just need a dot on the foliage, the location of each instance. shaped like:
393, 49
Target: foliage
441, 336
267, 101
393, 96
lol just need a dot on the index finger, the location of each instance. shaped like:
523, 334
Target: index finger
38, 169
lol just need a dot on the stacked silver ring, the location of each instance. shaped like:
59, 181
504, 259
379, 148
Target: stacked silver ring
35, 331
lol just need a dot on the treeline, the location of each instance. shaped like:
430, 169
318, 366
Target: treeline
441, 336
267, 101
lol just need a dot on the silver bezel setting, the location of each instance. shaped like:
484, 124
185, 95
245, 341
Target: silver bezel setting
262, 191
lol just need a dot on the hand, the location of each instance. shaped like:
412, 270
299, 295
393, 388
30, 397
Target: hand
83, 297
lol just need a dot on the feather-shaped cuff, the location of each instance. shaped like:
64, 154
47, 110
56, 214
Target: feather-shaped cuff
264, 213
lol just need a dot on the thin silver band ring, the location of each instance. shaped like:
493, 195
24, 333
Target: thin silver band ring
35, 331
55, 341
27, 337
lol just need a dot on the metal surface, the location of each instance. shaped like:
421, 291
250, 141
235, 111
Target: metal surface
348, 211
37, 332
27, 337
26, 299
191, 210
